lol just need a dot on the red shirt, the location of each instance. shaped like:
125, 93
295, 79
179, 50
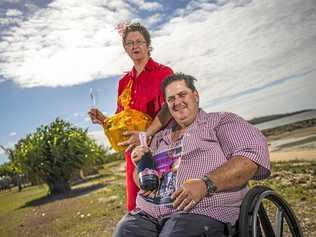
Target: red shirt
147, 98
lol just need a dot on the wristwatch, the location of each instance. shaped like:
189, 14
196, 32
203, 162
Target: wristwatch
211, 188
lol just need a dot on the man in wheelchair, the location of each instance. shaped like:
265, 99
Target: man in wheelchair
203, 162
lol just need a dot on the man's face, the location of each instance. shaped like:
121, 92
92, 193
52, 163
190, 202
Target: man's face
182, 102
136, 46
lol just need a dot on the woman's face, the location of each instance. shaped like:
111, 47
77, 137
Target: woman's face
136, 46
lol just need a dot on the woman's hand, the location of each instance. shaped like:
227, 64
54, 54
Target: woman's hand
97, 116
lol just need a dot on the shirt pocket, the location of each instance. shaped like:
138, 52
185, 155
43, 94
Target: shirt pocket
200, 141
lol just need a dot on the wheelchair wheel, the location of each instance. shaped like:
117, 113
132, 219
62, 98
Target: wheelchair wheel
264, 213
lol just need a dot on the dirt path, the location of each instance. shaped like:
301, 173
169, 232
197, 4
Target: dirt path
299, 154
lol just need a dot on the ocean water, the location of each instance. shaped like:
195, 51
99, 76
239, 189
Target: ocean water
287, 120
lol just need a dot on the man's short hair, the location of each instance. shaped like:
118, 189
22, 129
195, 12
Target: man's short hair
189, 81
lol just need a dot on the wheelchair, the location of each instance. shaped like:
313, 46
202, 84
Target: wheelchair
264, 213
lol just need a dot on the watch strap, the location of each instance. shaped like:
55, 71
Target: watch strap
211, 188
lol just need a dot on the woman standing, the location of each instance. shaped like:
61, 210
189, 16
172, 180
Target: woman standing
143, 81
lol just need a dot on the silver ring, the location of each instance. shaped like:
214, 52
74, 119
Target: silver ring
193, 202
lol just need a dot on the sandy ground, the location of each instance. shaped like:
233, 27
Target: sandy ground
299, 154
299, 144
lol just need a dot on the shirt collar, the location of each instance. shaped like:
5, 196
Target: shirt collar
200, 119
150, 66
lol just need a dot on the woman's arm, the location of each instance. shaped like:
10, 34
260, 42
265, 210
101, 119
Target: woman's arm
160, 121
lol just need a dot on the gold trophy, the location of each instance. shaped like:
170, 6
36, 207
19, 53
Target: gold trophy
126, 120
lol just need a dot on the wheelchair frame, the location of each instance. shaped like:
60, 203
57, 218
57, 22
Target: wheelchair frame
253, 218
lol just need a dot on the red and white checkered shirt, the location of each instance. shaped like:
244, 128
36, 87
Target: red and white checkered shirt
210, 141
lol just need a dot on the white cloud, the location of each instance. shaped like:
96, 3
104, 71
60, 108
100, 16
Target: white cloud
292, 95
11, 1
12, 16
153, 19
234, 50
149, 6
100, 138
13, 13
237, 49
67, 43
31, 7
12, 134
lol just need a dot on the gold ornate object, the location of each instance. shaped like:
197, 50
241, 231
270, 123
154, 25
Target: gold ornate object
126, 120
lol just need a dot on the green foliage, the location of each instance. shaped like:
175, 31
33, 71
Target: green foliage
53, 152
7, 169
112, 157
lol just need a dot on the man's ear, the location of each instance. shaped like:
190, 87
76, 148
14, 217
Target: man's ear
197, 96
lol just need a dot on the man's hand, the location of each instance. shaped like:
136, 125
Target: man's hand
132, 141
138, 153
149, 193
97, 116
189, 194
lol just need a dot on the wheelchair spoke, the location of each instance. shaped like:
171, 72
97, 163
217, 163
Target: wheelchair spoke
279, 222
266, 213
265, 222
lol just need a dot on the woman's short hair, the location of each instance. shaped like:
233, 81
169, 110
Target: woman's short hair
139, 28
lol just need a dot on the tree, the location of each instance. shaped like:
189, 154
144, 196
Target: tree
54, 152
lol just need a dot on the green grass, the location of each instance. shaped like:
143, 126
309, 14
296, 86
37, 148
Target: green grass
11, 211
90, 209
9, 201
295, 181
94, 207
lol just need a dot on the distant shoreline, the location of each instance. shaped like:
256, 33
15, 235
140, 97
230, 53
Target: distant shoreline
289, 127
272, 117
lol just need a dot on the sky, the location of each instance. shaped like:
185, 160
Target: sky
252, 58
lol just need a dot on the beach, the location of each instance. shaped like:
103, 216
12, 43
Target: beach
293, 142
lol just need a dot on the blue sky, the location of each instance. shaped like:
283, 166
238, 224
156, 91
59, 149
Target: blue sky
250, 57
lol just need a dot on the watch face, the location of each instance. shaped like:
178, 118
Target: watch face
209, 184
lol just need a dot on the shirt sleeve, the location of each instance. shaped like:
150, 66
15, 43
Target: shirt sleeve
237, 137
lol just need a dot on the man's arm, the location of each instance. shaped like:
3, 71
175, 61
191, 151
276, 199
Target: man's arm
233, 174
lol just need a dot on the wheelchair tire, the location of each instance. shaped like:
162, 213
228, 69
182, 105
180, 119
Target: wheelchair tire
252, 207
